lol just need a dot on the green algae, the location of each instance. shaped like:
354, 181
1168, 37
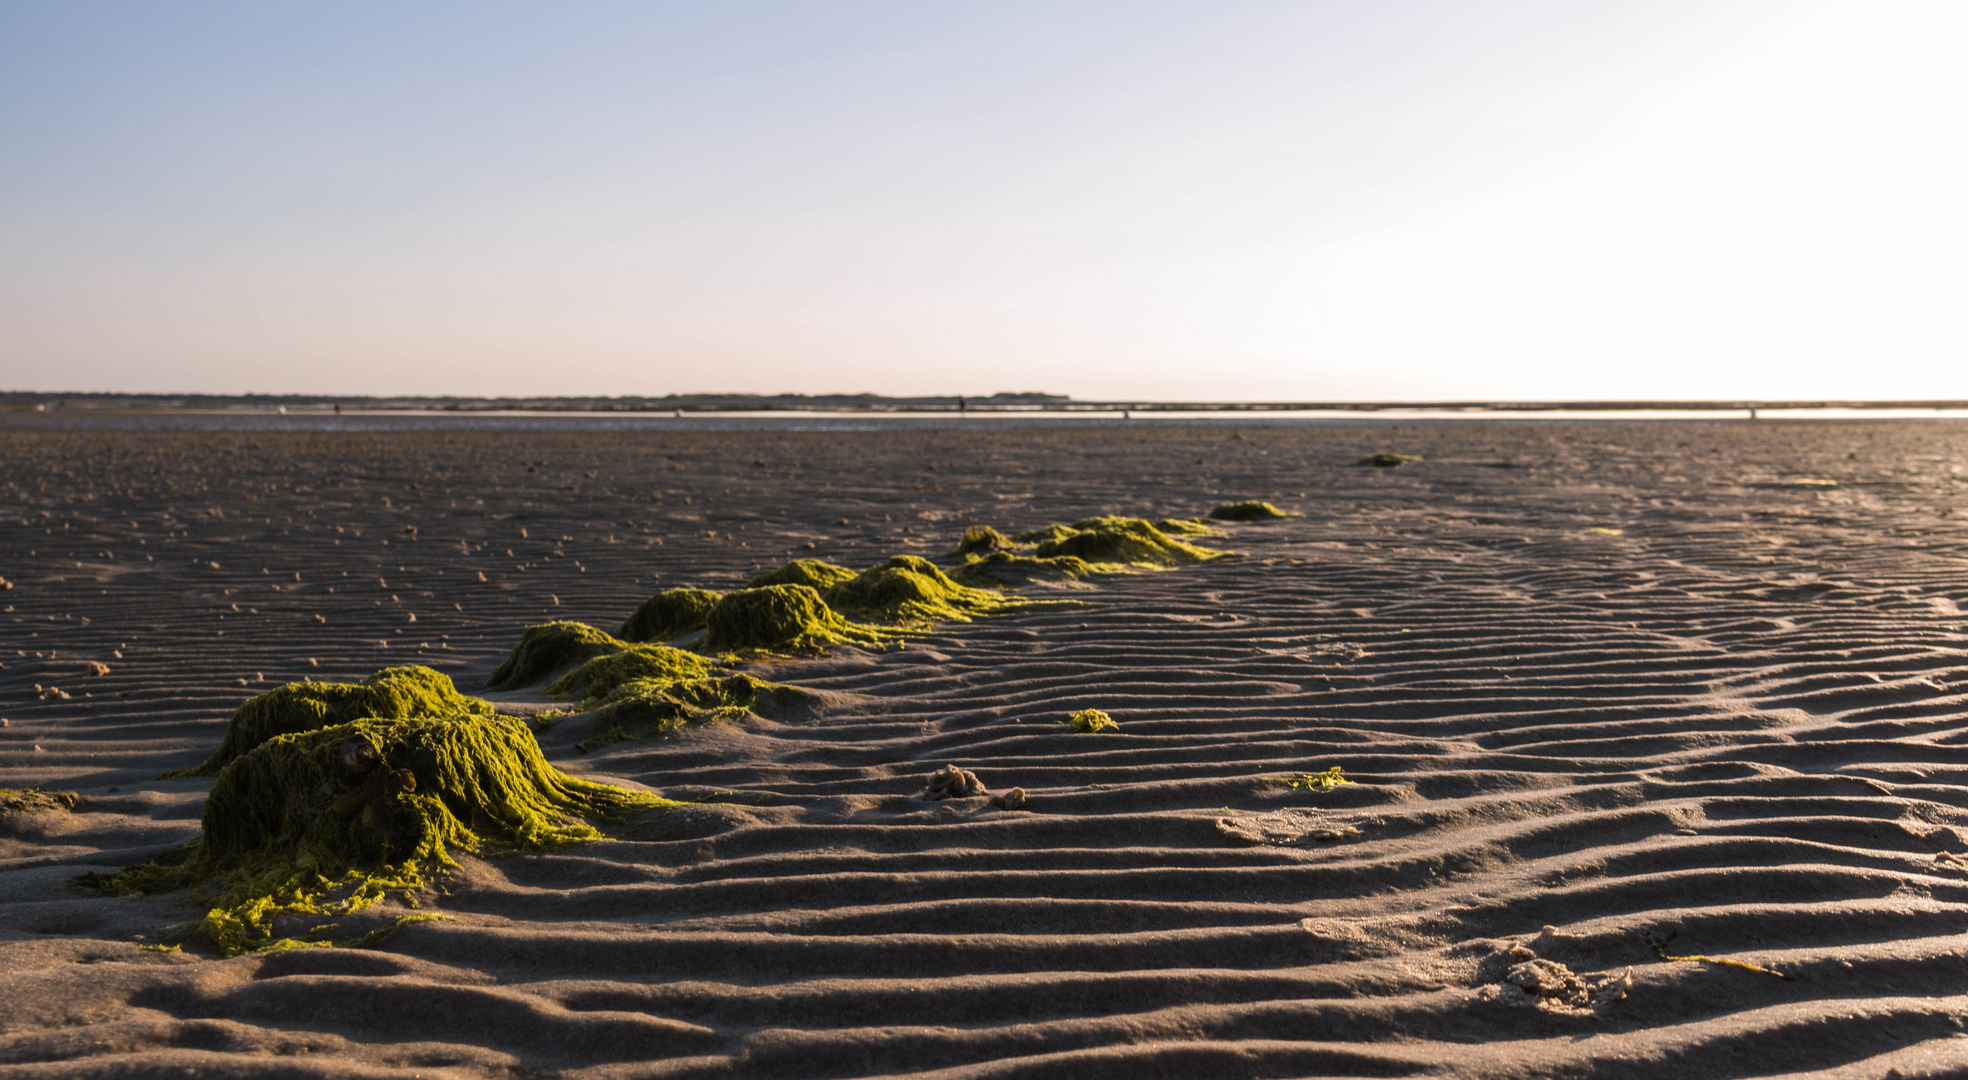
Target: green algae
982, 538
332, 821
1660, 944
813, 573
1319, 781
911, 590
1119, 541
1385, 460
1090, 722
599, 677
548, 649
397, 693
669, 615
36, 800
1098, 545
1046, 535
1249, 510
1004, 569
778, 618
656, 708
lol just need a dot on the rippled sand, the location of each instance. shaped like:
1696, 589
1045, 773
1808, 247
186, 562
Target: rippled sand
1598, 686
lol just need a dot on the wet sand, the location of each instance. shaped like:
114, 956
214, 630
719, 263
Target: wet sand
1598, 686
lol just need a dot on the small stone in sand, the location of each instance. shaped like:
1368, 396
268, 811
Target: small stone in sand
97, 667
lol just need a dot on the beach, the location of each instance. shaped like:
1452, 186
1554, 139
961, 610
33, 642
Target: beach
1604, 695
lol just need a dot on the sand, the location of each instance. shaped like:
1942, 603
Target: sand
1597, 686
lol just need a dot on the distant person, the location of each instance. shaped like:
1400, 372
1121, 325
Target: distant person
961, 406
338, 408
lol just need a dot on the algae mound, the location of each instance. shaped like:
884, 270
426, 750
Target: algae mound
777, 617
328, 822
35, 800
811, 572
669, 615
1248, 510
911, 589
1099, 545
1117, 540
982, 538
398, 693
1385, 460
599, 677
657, 708
549, 648
1003, 569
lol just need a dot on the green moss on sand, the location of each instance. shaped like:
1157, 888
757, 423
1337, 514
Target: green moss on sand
398, 693
779, 618
659, 708
548, 649
36, 800
1384, 460
1185, 527
911, 590
599, 677
669, 615
813, 573
1248, 510
329, 822
1118, 540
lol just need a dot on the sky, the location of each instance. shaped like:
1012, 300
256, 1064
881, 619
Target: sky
1373, 200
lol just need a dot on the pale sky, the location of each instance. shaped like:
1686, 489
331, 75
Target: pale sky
1380, 199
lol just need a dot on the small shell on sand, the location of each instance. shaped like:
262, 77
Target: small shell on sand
1011, 800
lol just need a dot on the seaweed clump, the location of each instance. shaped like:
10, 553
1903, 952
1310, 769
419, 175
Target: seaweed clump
656, 708
548, 649
669, 615
1090, 722
814, 573
1248, 510
779, 617
912, 590
36, 800
1385, 460
600, 676
397, 693
330, 822
1120, 541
